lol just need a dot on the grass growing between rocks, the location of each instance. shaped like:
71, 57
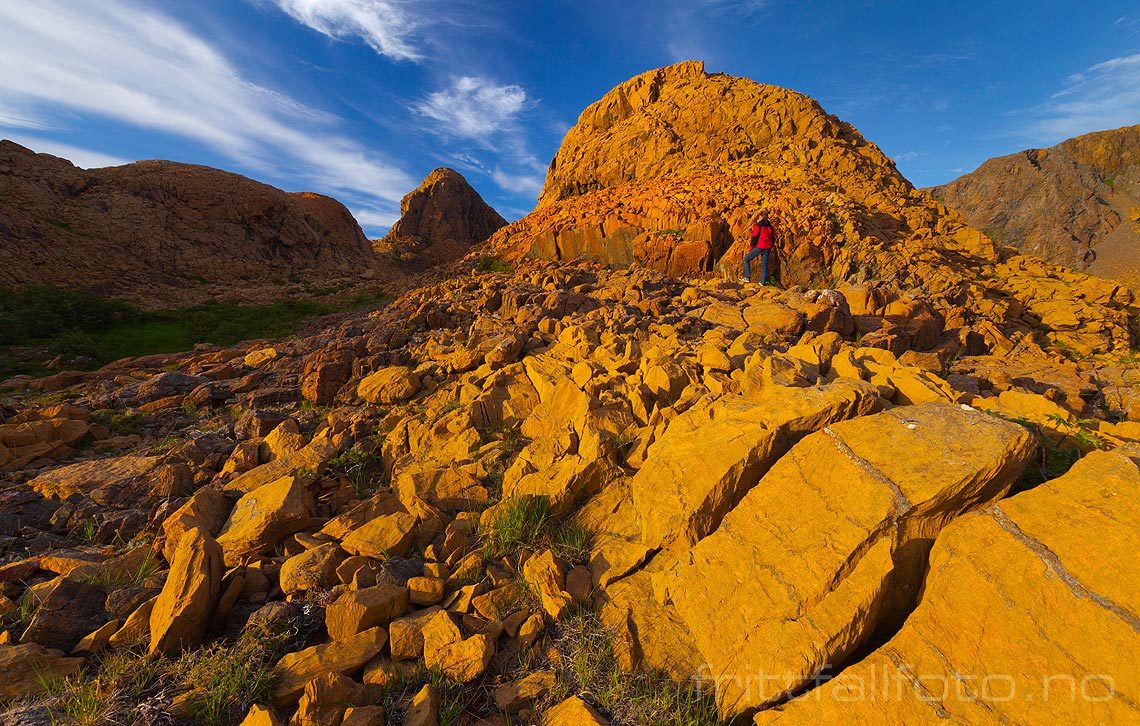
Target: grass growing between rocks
225, 678
529, 523
1060, 445
454, 697
491, 264
519, 523
587, 668
358, 467
111, 690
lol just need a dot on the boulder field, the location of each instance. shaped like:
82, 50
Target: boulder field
583, 492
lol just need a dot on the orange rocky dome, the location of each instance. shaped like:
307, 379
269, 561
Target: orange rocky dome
669, 170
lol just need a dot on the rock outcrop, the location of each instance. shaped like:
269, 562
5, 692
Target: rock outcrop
1076, 203
1060, 652
860, 501
138, 229
443, 218
669, 169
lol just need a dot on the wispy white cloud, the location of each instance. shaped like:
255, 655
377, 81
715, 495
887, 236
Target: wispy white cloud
736, 7
1104, 96
910, 155
694, 30
85, 158
122, 60
473, 108
372, 219
389, 27
15, 119
527, 184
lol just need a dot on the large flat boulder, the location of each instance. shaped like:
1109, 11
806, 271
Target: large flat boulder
827, 547
706, 461
1030, 614
264, 517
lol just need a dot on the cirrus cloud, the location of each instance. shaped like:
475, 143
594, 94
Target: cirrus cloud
119, 60
473, 108
388, 26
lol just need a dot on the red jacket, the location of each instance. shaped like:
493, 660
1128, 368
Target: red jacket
763, 236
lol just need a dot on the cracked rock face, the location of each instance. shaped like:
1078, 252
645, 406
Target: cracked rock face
1019, 621
828, 546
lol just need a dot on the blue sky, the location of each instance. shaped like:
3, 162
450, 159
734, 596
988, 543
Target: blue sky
361, 98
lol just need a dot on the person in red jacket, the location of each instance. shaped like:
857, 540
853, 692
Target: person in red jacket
763, 242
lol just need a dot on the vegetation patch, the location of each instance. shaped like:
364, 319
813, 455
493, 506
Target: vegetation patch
224, 679
587, 667
111, 690
491, 263
53, 321
358, 467
1060, 443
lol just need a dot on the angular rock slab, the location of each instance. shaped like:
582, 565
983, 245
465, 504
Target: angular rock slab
705, 462
182, 611
264, 517
829, 545
1030, 614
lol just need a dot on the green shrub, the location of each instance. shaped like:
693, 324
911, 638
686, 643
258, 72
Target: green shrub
491, 263
36, 313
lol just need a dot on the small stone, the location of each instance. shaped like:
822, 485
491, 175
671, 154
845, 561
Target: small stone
425, 590
572, 712
260, 716
424, 709
358, 610
514, 696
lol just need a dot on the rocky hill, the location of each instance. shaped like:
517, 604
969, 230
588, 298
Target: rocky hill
575, 491
1077, 203
162, 232
444, 210
669, 169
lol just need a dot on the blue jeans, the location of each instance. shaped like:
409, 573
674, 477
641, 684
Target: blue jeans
753, 254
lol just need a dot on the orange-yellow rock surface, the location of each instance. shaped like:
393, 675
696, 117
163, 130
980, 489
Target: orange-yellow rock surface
670, 168
1029, 614
525, 484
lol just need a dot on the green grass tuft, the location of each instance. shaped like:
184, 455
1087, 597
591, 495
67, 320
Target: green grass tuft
491, 263
226, 678
588, 666
519, 523
356, 465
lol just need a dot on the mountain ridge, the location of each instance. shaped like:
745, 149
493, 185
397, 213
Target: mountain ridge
1075, 203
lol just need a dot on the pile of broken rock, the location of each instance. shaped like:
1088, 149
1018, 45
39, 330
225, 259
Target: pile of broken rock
742, 464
